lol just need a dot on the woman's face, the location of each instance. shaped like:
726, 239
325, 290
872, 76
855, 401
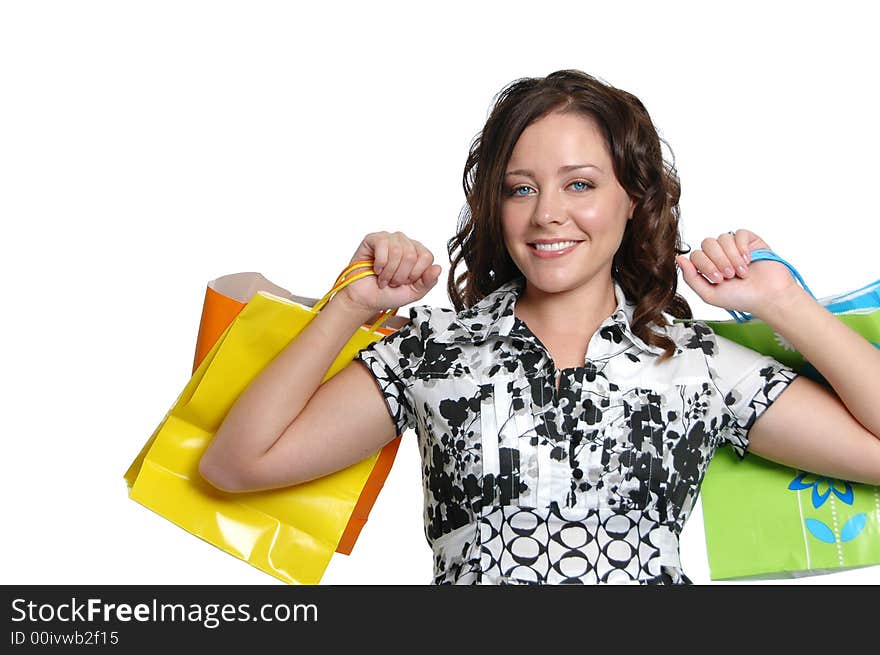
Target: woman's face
560, 186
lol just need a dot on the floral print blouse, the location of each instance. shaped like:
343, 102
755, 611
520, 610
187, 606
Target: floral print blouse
593, 482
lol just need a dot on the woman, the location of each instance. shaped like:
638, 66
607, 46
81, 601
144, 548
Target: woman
564, 423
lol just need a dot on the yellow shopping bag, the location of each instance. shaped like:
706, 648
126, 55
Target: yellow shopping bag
290, 533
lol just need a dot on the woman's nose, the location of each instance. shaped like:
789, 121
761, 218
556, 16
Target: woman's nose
549, 209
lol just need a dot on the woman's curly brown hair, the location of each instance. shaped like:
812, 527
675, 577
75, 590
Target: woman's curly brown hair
644, 265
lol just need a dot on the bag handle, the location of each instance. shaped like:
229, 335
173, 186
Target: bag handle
344, 280
769, 255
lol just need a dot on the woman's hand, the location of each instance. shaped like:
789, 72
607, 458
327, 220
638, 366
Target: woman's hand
404, 268
736, 282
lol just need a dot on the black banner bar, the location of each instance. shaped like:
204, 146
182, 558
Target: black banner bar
133, 618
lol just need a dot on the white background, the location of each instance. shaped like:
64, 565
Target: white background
146, 148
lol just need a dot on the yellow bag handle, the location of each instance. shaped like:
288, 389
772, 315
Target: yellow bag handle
343, 281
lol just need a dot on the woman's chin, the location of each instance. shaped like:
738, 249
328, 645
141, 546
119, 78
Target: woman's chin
556, 281
547, 283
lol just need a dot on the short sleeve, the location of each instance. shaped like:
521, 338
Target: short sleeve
749, 383
392, 360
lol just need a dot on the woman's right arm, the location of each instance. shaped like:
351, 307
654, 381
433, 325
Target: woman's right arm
286, 427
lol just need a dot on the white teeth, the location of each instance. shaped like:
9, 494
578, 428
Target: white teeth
559, 245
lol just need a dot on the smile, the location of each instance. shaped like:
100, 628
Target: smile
553, 250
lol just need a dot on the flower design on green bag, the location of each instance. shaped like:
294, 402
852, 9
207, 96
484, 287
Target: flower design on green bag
807, 480
822, 488
850, 531
782, 342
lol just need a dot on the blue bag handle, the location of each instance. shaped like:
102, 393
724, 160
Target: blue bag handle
765, 254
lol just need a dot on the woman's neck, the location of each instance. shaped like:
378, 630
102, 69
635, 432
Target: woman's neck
576, 312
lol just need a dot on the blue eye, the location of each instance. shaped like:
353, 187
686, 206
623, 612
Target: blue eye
514, 190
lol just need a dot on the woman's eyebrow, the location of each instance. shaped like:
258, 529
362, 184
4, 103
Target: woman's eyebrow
562, 169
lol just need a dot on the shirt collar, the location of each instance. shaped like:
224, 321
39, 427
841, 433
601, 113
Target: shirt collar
494, 316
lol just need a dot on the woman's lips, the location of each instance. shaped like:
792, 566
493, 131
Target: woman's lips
552, 254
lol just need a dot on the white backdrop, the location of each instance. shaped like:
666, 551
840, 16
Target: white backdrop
146, 148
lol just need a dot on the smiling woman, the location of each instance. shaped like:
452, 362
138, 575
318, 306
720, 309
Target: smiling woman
564, 232
570, 158
564, 423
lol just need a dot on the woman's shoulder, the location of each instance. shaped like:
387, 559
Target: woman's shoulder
429, 321
692, 334
432, 317
429, 313
699, 335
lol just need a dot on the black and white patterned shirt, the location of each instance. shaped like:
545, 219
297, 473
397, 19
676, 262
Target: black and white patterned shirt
590, 483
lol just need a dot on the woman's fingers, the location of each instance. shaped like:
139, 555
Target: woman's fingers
404, 268
718, 261
398, 260
741, 242
427, 279
692, 276
408, 259
705, 266
424, 259
730, 243
414, 258
379, 246
395, 253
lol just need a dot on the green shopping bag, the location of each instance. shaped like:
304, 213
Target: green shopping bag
765, 520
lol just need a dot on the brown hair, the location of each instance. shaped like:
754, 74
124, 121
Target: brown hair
644, 265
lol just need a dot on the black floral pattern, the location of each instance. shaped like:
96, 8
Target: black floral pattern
593, 482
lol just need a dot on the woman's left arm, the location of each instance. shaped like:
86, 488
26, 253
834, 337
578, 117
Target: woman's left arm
807, 427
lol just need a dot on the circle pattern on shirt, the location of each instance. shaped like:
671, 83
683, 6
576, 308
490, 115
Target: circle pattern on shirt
567, 546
